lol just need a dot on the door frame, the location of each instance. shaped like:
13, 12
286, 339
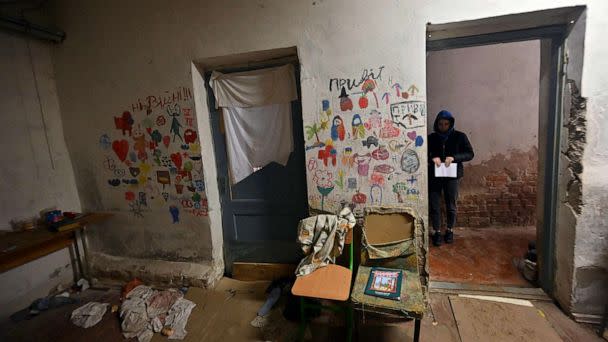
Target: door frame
555, 35
221, 158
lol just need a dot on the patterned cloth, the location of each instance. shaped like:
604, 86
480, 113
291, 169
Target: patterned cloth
322, 239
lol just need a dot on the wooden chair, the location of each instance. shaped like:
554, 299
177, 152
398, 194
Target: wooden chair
396, 225
332, 282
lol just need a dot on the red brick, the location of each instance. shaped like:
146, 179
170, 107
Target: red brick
497, 177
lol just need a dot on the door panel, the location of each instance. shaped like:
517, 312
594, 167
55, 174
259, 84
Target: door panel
260, 214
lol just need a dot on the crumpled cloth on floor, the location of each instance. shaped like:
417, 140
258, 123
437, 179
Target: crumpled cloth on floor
146, 311
322, 239
178, 317
89, 314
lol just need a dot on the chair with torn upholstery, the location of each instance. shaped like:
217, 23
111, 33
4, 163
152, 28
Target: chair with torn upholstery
329, 282
390, 239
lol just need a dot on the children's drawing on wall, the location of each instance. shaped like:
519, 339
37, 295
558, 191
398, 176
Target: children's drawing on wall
377, 158
345, 102
156, 165
174, 213
325, 185
409, 114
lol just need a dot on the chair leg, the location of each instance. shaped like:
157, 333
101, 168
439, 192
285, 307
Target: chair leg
302, 329
417, 330
349, 323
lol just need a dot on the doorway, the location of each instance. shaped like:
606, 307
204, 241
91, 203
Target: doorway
549, 30
260, 213
493, 92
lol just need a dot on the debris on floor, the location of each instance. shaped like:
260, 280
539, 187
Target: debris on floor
83, 284
42, 304
178, 318
146, 311
130, 286
527, 265
89, 314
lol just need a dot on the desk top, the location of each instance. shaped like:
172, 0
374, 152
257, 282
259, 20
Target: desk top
18, 248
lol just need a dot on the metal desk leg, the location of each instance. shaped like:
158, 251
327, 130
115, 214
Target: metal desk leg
75, 262
417, 330
81, 235
78, 256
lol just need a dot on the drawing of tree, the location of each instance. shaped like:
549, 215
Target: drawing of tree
313, 131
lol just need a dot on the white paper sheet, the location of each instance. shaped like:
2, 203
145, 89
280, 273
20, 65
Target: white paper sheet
443, 171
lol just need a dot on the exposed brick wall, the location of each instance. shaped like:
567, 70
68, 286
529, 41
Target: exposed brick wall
507, 202
499, 192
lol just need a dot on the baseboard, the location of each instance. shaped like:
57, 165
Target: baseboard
155, 272
261, 271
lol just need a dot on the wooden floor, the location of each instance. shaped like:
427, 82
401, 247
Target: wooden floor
224, 314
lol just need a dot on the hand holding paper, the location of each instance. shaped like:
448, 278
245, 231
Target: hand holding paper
449, 171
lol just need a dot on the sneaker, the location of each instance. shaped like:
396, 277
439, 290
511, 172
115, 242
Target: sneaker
436, 239
449, 236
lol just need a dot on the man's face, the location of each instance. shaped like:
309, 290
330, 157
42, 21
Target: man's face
444, 125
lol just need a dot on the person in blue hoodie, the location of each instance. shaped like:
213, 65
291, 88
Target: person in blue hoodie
445, 145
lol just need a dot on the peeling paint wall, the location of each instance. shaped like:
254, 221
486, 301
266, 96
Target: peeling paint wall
493, 92
36, 170
584, 197
119, 51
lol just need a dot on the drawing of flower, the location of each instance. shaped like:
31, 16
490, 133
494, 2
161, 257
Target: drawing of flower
325, 185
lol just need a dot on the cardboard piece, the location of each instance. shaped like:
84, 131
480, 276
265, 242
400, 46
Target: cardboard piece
480, 320
388, 228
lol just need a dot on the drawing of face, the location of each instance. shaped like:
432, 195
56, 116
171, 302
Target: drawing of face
137, 132
337, 121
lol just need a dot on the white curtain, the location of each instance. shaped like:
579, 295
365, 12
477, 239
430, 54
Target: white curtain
254, 88
256, 106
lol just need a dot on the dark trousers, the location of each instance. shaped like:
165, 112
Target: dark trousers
449, 186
